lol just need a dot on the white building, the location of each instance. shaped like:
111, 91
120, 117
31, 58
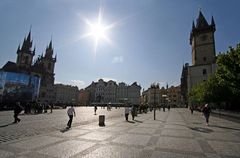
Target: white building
111, 92
99, 91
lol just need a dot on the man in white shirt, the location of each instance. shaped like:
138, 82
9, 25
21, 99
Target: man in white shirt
70, 112
126, 112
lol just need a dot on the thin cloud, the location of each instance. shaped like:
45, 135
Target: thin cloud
79, 83
117, 59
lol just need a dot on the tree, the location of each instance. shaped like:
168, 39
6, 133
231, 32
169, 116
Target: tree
228, 75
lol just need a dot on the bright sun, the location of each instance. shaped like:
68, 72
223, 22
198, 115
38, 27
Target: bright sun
98, 31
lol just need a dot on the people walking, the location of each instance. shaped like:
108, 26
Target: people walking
191, 108
51, 107
169, 107
206, 112
71, 112
133, 112
95, 110
17, 110
126, 112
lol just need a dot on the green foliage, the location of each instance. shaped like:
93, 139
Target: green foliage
224, 85
228, 73
196, 94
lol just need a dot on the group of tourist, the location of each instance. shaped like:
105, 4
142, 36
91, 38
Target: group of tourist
30, 108
71, 112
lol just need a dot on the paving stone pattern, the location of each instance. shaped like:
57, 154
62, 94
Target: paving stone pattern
174, 133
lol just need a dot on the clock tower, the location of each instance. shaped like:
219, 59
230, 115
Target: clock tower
202, 41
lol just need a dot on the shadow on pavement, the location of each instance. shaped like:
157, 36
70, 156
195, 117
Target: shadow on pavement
64, 130
2, 126
138, 121
237, 129
197, 123
159, 120
201, 129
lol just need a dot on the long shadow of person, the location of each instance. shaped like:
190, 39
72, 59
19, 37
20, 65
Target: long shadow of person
64, 130
130, 121
138, 121
2, 126
201, 129
230, 128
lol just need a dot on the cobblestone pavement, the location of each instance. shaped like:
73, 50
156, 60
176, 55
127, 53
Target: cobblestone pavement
31, 125
176, 133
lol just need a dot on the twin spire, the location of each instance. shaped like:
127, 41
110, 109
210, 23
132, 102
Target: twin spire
27, 46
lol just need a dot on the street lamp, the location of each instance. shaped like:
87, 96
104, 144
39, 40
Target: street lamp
154, 87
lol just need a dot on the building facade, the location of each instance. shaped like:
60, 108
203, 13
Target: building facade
155, 95
84, 97
66, 94
174, 96
111, 92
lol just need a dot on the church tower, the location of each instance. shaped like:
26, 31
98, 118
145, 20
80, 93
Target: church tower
25, 53
202, 41
48, 62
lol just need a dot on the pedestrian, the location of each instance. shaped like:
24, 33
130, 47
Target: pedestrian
51, 106
168, 107
17, 110
95, 110
133, 112
71, 113
191, 108
163, 108
127, 112
206, 112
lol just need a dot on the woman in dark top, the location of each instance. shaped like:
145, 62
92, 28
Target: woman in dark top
206, 112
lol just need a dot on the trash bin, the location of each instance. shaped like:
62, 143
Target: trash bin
101, 120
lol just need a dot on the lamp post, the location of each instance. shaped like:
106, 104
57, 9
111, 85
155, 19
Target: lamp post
154, 87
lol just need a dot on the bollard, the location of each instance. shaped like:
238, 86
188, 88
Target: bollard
101, 120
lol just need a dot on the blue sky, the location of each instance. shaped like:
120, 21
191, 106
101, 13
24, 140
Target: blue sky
149, 44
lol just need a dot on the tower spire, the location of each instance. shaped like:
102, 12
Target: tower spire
18, 49
213, 22
201, 21
29, 34
193, 25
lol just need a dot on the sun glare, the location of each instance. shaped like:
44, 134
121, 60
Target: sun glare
98, 31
